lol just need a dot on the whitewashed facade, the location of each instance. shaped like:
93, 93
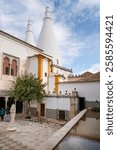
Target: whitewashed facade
89, 90
13, 49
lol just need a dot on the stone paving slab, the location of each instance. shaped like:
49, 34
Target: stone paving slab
28, 136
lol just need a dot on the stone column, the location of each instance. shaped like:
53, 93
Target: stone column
72, 107
6, 100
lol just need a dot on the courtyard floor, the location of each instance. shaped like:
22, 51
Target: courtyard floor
28, 135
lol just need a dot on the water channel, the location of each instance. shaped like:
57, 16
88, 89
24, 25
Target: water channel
78, 143
85, 135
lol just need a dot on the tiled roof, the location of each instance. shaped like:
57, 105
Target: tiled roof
85, 77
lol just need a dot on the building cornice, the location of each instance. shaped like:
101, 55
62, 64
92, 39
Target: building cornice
43, 55
87, 81
10, 55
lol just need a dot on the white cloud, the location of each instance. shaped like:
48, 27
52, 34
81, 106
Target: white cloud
89, 3
71, 46
87, 9
94, 68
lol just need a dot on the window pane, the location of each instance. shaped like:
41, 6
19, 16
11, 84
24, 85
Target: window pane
12, 71
7, 70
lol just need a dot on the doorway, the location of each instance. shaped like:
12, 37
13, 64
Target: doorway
61, 114
81, 103
2, 102
42, 109
19, 107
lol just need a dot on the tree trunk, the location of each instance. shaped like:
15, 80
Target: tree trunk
26, 109
38, 112
29, 110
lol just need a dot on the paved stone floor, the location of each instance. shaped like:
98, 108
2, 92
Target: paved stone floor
28, 136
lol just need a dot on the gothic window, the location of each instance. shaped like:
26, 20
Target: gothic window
6, 66
14, 68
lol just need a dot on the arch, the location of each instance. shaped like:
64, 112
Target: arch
6, 66
14, 67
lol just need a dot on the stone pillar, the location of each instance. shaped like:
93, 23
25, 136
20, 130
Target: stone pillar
6, 100
72, 107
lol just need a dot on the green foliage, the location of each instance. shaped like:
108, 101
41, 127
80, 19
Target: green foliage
27, 88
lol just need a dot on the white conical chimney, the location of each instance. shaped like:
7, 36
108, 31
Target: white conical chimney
29, 34
47, 40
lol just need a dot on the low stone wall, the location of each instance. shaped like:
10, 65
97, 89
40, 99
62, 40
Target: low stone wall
54, 114
93, 114
92, 104
68, 115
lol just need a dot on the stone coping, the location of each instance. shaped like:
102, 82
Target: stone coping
54, 140
61, 96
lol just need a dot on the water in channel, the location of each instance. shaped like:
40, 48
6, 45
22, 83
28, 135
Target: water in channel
78, 143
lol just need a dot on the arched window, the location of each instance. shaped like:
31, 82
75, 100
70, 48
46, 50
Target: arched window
6, 66
14, 68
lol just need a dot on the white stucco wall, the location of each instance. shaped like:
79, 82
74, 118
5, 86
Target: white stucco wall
62, 103
33, 65
6, 84
89, 90
15, 49
51, 83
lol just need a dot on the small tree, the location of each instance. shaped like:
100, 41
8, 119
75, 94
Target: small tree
27, 88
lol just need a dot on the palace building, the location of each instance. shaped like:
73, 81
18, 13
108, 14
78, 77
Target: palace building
18, 56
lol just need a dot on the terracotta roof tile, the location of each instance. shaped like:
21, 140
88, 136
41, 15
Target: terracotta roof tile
85, 77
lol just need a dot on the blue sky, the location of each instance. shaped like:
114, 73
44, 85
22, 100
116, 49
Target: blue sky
76, 25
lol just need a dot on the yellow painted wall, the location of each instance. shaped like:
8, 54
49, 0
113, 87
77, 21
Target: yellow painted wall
40, 66
49, 67
56, 83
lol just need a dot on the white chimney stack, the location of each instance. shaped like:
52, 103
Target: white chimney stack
29, 34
